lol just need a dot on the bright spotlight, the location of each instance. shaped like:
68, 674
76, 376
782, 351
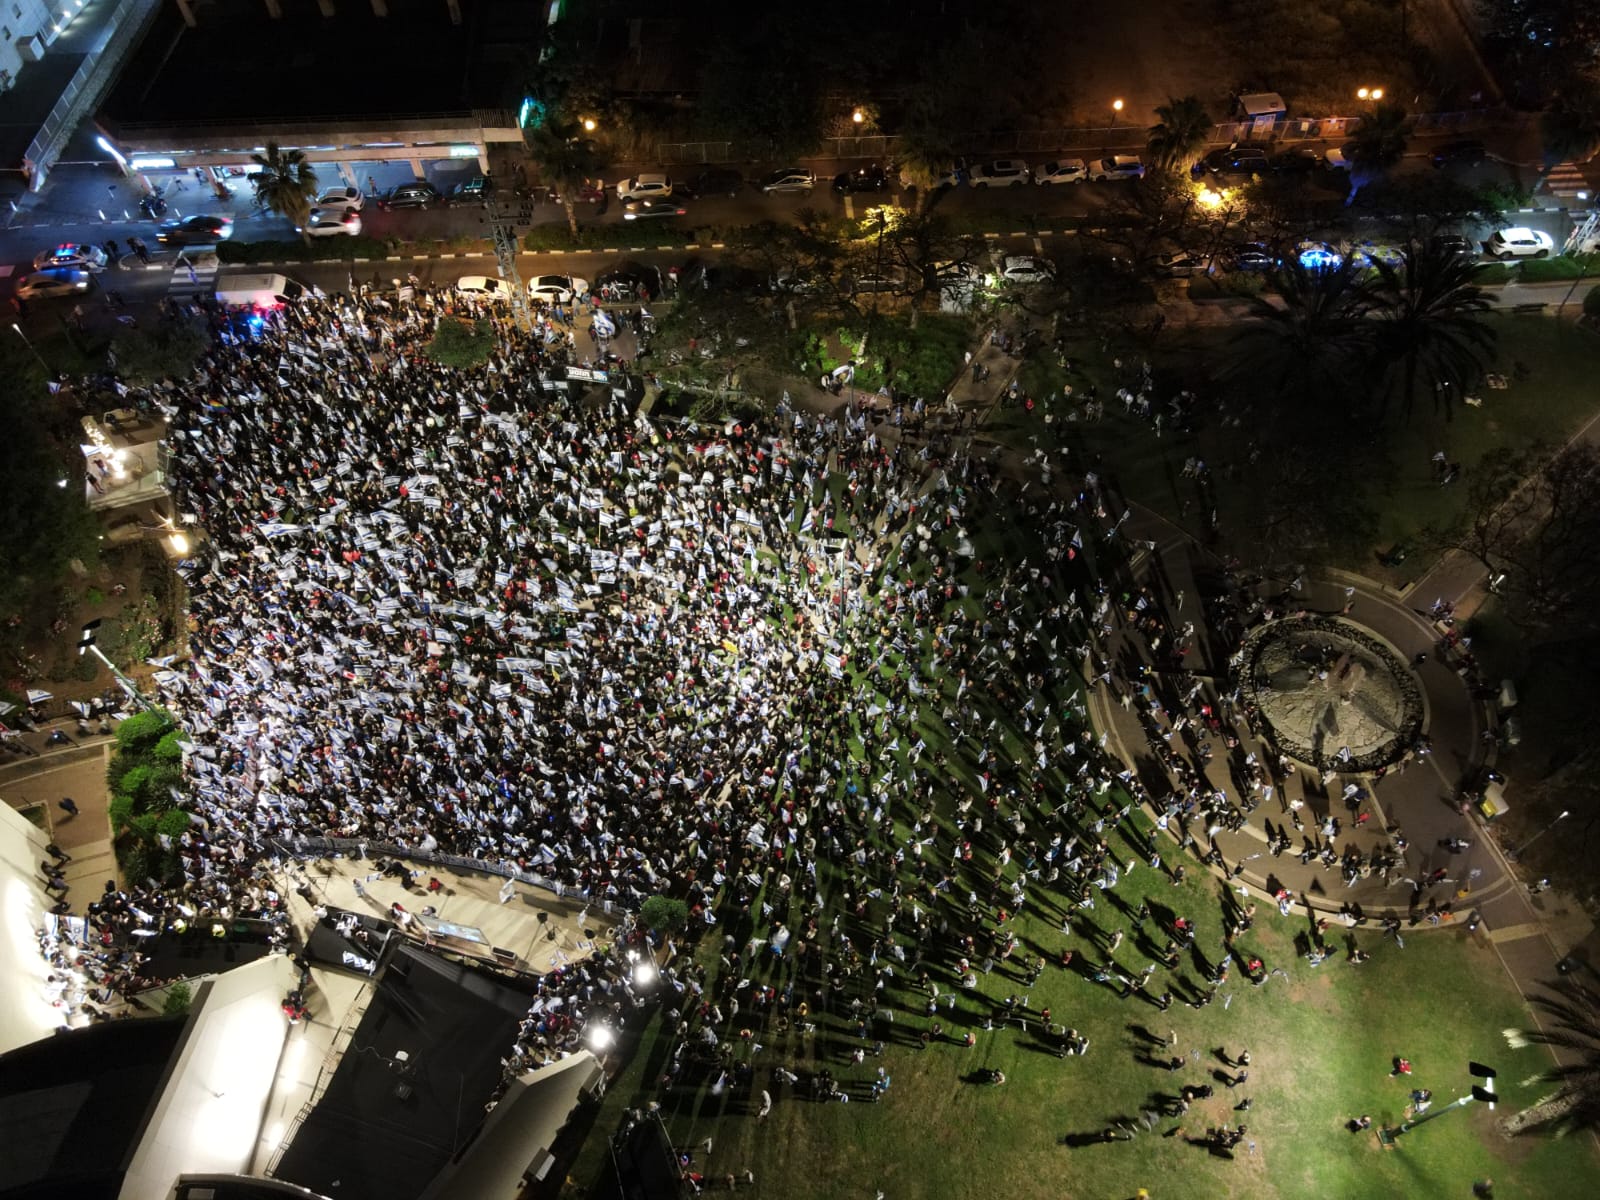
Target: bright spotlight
600, 1037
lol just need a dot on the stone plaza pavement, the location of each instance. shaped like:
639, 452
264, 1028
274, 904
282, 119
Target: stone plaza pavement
1529, 933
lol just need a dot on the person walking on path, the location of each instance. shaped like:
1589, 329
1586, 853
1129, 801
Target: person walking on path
69, 806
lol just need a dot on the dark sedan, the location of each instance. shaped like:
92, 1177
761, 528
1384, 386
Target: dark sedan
864, 179
195, 231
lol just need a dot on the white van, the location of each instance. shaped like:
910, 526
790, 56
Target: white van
261, 291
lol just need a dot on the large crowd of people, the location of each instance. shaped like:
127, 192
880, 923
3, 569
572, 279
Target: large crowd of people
825, 686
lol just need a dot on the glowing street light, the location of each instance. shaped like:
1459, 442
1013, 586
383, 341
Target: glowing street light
588, 125
858, 116
1373, 94
1116, 109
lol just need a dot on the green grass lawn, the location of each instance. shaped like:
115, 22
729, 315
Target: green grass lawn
1322, 1047
1556, 397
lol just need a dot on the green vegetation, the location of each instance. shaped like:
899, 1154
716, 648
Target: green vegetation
328, 249
168, 349
180, 997
144, 773
459, 343
664, 915
286, 184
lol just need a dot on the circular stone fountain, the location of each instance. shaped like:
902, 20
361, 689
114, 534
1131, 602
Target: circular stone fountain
1324, 686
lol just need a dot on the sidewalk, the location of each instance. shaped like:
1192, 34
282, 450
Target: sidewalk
78, 771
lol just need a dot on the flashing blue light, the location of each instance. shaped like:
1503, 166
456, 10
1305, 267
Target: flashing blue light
532, 114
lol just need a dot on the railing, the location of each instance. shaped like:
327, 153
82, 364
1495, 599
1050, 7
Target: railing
1051, 141
88, 83
316, 847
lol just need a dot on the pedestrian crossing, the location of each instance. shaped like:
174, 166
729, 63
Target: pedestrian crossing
193, 275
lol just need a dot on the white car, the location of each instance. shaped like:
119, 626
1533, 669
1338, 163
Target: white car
331, 222
557, 289
82, 258
1370, 254
1024, 268
1002, 172
788, 179
484, 287
1117, 166
345, 197
1062, 170
1179, 264
1339, 158
1519, 242
645, 186
53, 281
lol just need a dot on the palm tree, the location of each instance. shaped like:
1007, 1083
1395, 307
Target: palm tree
1430, 326
1311, 340
1379, 143
1572, 1024
923, 153
1176, 140
286, 185
567, 160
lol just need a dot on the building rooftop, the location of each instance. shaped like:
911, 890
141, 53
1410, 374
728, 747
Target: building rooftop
239, 65
73, 1107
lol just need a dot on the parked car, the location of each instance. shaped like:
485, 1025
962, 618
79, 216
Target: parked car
71, 256
54, 281
789, 179
1062, 170
474, 193
1000, 172
874, 281
1117, 166
1025, 268
717, 181
1371, 253
1317, 256
345, 197
1456, 245
195, 231
1237, 160
862, 179
1250, 256
418, 194
1465, 152
790, 282
557, 289
1179, 264
330, 222
484, 287
1296, 160
651, 210
950, 178
1339, 158
1519, 242
648, 185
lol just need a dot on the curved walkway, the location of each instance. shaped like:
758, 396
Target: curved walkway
1420, 798
1518, 926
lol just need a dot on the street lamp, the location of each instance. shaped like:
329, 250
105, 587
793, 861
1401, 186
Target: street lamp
588, 124
1515, 854
1484, 1093
858, 116
1373, 94
32, 349
86, 646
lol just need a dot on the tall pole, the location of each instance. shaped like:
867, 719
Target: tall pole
1516, 853
34, 350
127, 684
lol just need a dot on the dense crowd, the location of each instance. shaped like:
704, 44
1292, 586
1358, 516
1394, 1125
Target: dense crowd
767, 670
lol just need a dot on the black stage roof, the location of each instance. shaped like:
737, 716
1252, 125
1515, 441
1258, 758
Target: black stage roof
241, 66
74, 1106
386, 1125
